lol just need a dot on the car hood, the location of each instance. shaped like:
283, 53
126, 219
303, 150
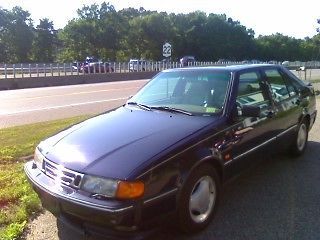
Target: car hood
116, 143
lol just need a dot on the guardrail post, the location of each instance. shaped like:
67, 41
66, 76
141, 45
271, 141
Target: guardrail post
5, 71
14, 70
29, 70
305, 74
22, 71
51, 69
37, 69
58, 67
78, 68
71, 68
119, 67
45, 69
64, 69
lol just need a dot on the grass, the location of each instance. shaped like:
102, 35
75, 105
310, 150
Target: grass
315, 81
17, 199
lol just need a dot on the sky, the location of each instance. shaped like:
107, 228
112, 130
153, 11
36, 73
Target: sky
292, 18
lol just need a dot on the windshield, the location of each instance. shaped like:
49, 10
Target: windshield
196, 91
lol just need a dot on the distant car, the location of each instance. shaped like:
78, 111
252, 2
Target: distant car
285, 63
168, 151
76, 66
187, 61
96, 67
136, 65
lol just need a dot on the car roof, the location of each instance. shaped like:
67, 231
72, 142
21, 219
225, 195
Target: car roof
231, 68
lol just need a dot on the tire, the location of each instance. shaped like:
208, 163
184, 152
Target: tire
198, 199
300, 140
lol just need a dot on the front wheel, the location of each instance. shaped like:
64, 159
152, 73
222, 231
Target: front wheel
301, 139
198, 199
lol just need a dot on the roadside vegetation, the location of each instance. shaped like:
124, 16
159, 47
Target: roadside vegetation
17, 199
118, 35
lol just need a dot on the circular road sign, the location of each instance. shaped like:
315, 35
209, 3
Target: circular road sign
166, 50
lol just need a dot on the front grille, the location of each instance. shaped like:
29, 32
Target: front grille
62, 175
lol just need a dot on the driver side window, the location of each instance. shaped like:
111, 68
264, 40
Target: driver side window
277, 84
250, 90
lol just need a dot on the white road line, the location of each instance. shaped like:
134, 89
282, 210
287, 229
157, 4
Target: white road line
71, 94
61, 106
78, 93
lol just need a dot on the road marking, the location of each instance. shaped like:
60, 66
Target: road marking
69, 94
61, 106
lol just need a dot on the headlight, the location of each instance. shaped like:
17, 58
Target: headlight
97, 185
112, 188
38, 158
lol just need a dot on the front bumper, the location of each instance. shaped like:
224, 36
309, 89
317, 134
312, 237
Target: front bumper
88, 215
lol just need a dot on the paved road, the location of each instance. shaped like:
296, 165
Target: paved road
278, 199
24, 106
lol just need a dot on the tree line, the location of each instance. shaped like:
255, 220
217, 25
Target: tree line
111, 35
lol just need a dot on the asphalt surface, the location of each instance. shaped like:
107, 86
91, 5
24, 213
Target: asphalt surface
23, 106
277, 199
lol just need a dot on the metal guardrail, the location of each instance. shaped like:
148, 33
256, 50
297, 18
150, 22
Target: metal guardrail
8, 71
67, 69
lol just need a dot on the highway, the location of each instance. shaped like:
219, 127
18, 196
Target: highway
23, 106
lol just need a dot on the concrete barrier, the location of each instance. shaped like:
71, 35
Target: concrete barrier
19, 83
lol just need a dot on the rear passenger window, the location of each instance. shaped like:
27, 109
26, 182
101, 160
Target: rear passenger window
278, 86
250, 91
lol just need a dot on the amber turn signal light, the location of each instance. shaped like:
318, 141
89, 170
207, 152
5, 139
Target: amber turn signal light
129, 190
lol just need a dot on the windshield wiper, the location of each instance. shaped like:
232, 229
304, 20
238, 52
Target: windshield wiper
142, 106
171, 109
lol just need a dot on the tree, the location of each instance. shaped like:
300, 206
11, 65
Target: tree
18, 35
45, 41
148, 34
3, 31
97, 31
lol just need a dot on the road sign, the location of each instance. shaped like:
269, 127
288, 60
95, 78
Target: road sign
166, 50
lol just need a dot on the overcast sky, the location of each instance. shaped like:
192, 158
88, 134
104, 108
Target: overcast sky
292, 18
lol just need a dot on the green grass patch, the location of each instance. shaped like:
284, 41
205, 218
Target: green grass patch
21, 141
17, 199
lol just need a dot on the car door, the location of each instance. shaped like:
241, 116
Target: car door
286, 101
248, 135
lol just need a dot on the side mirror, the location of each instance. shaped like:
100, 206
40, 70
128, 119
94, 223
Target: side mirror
250, 111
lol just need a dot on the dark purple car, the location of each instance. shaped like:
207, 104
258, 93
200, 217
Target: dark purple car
170, 148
